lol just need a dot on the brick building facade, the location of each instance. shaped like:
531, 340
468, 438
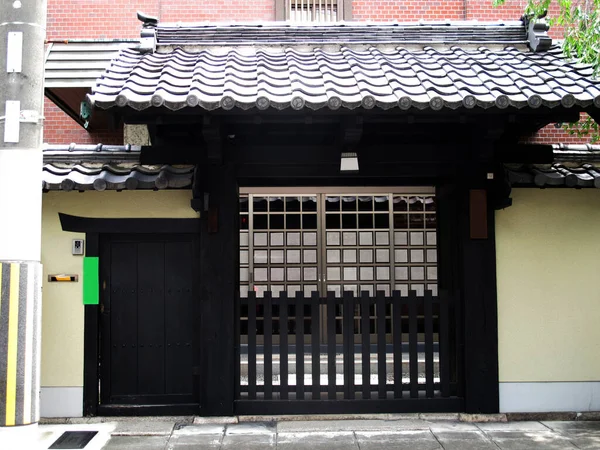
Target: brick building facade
96, 19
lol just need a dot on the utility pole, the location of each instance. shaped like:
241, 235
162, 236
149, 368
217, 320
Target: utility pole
22, 34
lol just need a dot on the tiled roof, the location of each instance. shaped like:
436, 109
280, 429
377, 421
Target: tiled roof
77, 63
100, 168
574, 166
344, 67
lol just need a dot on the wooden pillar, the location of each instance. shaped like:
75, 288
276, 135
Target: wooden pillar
467, 266
480, 304
219, 271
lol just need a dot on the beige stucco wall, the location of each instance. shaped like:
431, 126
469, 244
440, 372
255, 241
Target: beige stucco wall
62, 312
548, 268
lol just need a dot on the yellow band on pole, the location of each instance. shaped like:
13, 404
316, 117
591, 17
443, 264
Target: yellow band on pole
13, 342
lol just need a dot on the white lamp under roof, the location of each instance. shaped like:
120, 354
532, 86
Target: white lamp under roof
349, 163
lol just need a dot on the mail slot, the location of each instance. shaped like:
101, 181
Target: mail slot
63, 278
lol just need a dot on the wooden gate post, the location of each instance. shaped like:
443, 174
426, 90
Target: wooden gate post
219, 253
480, 302
467, 267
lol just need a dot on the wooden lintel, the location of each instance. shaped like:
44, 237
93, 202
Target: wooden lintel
211, 131
525, 154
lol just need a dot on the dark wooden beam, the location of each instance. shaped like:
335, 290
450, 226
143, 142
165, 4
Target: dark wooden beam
173, 153
101, 225
525, 154
211, 131
331, 170
352, 133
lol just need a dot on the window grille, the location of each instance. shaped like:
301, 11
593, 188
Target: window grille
313, 11
338, 242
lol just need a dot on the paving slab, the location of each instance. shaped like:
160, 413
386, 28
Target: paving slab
402, 440
452, 426
195, 430
136, 443
255, 441
351, 425
468, 435
195, 441
468, 444
575, 428
512, 426
254, 428
144, 428
526, 440
335, 440
586, 443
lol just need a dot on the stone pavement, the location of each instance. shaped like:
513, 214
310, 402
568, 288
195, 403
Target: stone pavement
411, 432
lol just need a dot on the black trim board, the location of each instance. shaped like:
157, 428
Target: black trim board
101, 225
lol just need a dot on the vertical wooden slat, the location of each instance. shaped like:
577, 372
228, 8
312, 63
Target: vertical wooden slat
299, 346
381, 354
397, 342
283, 345
312, 6
428, 313
331, 381
251, 345
366, 345
412, 344
455, 314
315, 346
348, 329
268, 345
444, 339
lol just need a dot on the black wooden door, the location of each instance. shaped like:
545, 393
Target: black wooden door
147, 326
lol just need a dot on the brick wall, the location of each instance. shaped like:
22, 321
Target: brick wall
72, 19
59, 128
407, 10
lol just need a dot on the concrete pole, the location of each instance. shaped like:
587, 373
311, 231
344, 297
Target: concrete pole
22, 34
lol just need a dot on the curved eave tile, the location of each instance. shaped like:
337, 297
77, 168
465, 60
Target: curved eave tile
555, 175
109, 177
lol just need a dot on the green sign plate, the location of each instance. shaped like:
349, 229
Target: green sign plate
91, 285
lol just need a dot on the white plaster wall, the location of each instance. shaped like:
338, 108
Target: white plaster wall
548, 268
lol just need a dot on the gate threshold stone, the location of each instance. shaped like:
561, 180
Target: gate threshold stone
329, 417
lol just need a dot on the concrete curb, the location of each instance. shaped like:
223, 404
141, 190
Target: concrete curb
456, 417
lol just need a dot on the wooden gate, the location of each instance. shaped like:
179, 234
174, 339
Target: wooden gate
147, 321
407, 359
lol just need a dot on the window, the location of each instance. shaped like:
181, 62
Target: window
313, 11
354, 241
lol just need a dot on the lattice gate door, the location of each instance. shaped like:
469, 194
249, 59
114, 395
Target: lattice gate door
339, 300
